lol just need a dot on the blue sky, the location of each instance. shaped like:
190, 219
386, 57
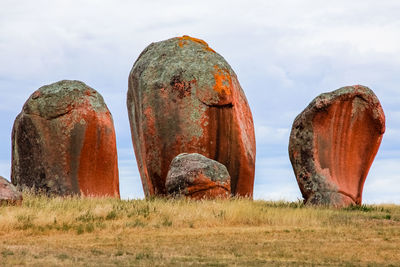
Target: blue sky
284, 52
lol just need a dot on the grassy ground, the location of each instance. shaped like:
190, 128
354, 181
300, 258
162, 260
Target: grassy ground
103, 232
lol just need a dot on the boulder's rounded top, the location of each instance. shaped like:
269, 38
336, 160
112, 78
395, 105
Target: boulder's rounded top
57, 99
348, 92
183, 39
186, 163
368, 97
184, 59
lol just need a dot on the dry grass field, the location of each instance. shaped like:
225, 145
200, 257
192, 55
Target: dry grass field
106, 232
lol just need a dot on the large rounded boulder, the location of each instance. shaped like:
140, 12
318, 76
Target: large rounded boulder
333, 144
63, 142
198, 177
183, 97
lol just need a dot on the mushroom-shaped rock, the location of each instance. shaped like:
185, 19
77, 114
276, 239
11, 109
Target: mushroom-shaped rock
198, 177
333, 144
9, 193
63, 142
183, 97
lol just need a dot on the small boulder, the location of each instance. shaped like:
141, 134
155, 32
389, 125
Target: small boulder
63, 142
9, 193
196, 176
333, 144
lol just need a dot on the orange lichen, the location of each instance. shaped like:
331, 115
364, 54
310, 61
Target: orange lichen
183, 39
204, 188
97, 168
223, 81
345, 146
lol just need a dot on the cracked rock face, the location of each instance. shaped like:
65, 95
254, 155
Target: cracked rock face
197, 177
183, 97
333, 144
8, 193
63, 142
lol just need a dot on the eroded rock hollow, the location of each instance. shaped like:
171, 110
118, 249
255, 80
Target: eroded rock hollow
183, 97
63, 142
333, 144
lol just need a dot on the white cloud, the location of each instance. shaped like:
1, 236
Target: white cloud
275, 179
130, 183
271, 135
383, 182
5, 169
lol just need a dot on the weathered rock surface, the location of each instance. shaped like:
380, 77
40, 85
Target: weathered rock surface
198, 177
63, 142
333, 144
183, 97
9, 193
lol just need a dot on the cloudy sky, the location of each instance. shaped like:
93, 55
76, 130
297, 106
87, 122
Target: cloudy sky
284, 52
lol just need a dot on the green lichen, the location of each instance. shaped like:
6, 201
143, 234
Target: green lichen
192, 56
57, 99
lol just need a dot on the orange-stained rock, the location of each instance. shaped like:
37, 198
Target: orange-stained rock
63, 142
8, 193
198, 177
184, 97
333, 144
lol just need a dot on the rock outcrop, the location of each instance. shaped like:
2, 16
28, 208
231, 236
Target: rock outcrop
333, 144
198, 177
63, 142
184, 97
8, 193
